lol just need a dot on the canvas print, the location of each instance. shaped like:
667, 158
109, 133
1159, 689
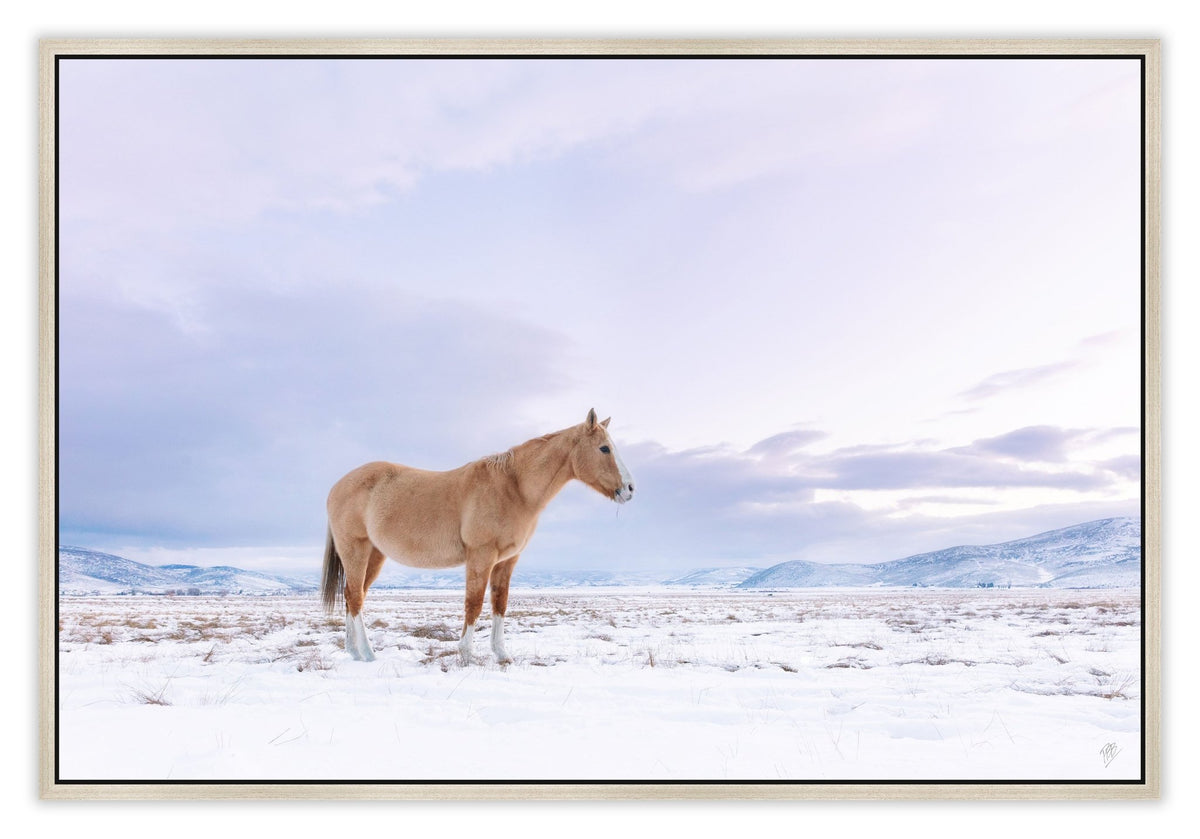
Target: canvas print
661, 419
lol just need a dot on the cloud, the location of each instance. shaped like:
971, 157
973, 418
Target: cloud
1036, 443
716, 504
692, 507
158, 145
1015, 379
786, 443
1103, 339
1045, 443
956, 500
944, 468
233, 434
1128, 467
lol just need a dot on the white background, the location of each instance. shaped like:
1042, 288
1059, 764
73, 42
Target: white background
617, 18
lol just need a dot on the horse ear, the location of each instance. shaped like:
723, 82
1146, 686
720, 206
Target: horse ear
591, 419
606, 422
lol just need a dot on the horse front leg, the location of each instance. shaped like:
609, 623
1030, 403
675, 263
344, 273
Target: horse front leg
479, 567
501, 574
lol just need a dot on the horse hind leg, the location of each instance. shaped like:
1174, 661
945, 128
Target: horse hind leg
362, 567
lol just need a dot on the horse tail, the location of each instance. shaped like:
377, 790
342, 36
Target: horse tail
333, 580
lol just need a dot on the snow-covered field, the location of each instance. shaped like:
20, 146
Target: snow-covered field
608, 684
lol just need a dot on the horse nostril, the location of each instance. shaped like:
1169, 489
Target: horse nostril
630, 487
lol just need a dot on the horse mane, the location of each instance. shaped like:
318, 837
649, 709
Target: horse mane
502, 462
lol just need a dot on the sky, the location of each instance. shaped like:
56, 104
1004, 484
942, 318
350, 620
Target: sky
838, 310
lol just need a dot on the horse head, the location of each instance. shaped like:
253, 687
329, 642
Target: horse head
595, 461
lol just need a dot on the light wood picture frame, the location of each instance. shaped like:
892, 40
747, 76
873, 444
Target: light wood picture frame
54, 52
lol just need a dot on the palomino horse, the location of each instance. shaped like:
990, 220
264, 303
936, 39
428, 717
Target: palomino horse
480, 515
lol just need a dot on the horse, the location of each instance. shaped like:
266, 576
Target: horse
480, 515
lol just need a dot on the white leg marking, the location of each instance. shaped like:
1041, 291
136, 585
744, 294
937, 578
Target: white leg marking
364, 640
351, 640
464, 646
357, 643
498, 640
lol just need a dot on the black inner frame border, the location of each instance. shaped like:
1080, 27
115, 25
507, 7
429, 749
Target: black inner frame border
1141, 58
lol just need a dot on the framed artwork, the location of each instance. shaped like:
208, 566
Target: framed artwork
813, 384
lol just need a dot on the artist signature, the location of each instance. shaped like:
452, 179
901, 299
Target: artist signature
1109, 753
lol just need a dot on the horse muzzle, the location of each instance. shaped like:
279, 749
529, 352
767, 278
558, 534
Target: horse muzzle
623, 494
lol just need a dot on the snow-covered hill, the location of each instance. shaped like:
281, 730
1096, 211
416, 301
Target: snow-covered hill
81, 571
713, 577
1099, 554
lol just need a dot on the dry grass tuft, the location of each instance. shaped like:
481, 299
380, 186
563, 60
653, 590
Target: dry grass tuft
1115, 687
314, 661
148, 696
433, 654
861, 645
436, 632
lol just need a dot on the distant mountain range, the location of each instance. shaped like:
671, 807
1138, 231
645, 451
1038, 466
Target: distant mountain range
713, 577
1098, 554
81, 571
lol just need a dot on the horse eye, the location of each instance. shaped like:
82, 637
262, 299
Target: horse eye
605, 449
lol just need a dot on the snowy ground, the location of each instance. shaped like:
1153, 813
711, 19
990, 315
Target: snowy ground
608, 684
